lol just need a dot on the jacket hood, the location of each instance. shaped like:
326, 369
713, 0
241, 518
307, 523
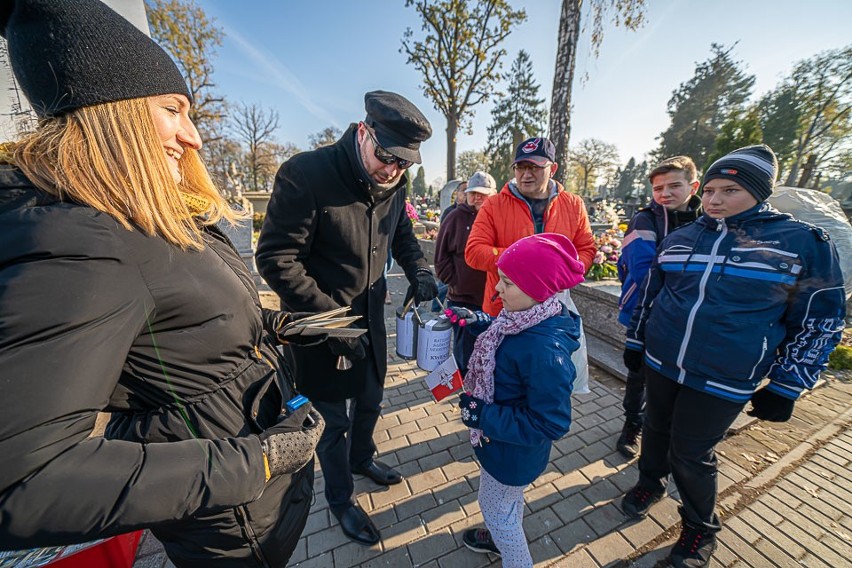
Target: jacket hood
18, 191
511, 187
764, 211
693, 204
469, 209
565, 323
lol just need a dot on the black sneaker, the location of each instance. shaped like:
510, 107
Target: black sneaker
628, 443
693, 549
479, 540
638, 500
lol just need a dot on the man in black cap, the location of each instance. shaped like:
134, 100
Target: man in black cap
334, 214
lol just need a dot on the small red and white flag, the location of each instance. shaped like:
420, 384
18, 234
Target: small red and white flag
445, 379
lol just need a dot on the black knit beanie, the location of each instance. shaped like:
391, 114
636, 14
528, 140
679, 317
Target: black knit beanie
68, 54
753, 167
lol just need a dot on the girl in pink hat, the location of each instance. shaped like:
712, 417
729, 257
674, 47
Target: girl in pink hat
517, 397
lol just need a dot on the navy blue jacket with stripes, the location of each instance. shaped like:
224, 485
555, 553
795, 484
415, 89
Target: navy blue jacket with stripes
730, 301
647, 228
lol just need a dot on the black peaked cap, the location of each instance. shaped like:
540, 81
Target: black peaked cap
400, 127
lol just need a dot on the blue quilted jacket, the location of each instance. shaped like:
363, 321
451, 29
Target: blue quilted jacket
533, 380
647, 228
732, 300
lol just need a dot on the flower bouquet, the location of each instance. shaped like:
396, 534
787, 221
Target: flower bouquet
604, 263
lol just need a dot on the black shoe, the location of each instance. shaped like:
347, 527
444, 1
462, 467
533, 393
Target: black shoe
356, 524
628, 443
693, 549
379, 472
479, 540
638, 500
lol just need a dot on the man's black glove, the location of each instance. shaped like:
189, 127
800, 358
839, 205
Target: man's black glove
633, 359
289, 445
354, 348
424, 287
766, 405
274, 320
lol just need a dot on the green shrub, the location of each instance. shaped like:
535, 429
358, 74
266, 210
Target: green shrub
841, 358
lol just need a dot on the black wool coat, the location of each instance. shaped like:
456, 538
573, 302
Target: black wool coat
324, 244
94, 317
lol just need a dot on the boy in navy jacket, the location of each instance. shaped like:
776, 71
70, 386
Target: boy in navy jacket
743, 293
674, 182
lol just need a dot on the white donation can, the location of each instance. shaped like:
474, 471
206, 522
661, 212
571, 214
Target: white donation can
406, 334
434, 342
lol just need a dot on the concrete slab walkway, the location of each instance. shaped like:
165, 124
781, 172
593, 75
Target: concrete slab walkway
785, 489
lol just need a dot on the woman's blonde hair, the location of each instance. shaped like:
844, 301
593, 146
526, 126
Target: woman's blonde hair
109, 157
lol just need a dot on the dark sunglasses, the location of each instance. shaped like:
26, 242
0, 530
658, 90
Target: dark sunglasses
386, 157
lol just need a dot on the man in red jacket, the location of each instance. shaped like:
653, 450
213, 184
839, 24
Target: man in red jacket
531, 203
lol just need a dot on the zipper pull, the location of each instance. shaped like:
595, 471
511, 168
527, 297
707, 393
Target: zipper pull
719, 224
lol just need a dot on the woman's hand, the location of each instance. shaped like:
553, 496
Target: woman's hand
275, 320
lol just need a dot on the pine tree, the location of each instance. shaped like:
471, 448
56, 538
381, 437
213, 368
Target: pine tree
625, 180
738, 131
700, 106
418, 186
517, 115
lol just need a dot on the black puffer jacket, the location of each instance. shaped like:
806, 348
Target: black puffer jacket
94, 317
324, 244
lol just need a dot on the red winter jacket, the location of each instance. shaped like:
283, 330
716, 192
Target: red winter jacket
505, 218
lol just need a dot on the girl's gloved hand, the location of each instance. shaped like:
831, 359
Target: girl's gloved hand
464, 317
471, 409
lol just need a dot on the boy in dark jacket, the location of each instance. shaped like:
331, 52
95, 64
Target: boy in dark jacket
742, 293
519, 384
674, 182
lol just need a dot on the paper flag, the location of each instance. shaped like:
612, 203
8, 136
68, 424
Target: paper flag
445, 379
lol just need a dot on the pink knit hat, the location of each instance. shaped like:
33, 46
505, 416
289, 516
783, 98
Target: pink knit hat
542, 265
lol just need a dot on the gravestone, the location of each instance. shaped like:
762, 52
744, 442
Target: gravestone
240, 235
597, 302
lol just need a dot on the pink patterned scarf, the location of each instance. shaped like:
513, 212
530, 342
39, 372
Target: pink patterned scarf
479, 380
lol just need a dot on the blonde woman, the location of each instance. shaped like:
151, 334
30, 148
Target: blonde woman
118, 294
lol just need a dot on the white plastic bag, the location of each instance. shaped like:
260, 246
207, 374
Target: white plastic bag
580, 357
822, 210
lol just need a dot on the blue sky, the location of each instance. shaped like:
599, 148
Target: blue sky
313, 61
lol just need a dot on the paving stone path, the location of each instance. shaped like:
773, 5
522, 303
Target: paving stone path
785, 489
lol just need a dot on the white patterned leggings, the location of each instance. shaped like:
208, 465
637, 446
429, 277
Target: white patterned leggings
502, 508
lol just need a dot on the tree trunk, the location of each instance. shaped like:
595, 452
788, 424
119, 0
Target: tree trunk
566, 59
452, 129
807, 170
